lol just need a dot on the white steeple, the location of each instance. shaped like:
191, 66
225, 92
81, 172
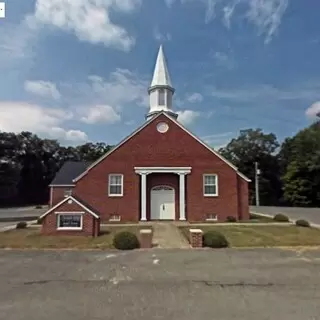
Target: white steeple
161, 90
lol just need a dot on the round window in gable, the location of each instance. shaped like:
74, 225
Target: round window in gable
162, 127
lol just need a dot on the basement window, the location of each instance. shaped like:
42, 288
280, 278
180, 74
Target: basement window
115, 217
67, 221
212, 217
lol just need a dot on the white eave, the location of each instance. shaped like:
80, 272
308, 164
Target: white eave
178, 124
65, 200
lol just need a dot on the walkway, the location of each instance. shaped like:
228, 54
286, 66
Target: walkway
167, 236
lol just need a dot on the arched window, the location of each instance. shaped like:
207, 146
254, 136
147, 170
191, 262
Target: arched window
162, 97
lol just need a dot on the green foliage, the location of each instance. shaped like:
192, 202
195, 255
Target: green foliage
254, 145
231, 219
281, 218
214, 239
39, 221
303, 223
21, 225
300, 158
38, 206
125, 241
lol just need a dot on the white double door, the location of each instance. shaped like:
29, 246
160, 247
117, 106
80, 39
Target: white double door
162, 203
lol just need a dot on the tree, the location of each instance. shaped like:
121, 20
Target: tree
300, 158
252, 146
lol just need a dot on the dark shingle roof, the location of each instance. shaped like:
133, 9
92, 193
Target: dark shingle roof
69, 171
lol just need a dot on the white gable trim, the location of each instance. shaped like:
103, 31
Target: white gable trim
179, 125
65, 200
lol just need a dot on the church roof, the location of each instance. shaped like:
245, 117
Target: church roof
146, 124
69, 171
161, 75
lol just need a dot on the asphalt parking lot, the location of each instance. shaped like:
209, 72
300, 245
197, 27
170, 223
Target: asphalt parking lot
294, 213
160, 284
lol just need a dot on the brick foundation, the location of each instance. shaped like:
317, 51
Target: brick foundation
195, 237
145, 238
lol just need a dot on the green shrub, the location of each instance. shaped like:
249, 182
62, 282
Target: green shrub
281, 218
303, 223
214, 239
231, 219
125, 241
21, 225
39, 221
38, 206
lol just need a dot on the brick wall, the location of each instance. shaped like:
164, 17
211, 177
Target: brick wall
57, 194
174, 148
91, 225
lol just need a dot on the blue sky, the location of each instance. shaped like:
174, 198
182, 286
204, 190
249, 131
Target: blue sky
79, 70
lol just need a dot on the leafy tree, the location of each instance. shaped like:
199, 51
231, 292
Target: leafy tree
252, 146
300, 158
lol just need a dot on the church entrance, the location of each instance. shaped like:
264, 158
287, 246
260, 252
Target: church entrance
162, 203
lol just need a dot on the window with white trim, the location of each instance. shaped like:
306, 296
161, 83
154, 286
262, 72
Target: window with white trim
210, 185
67, 193
212, 217
115, 217
162, 97
115, 185
67, 221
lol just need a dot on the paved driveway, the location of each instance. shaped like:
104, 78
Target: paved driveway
160, 284
310, 214
22, 213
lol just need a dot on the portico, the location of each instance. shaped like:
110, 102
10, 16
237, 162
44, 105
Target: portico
180, 171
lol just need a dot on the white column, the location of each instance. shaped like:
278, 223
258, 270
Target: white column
143, 196
182, 193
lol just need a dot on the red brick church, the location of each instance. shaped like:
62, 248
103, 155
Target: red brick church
160, 172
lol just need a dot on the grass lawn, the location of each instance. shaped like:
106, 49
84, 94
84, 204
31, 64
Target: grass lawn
32, 238
265, 236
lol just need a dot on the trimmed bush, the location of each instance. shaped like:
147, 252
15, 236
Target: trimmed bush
281, 218
21, 225
38, 206
39, 221
303, 223
214, 239
231, 219
125, 241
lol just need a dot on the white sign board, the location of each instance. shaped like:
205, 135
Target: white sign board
2, 10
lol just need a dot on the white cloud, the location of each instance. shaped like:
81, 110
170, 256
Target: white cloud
100, 114
222, 59
265, 15
122, 89
162, 37
218, 140
169, 2
228, 12
47, 122
194, 97
187, 117
17, 44
314, 110
42, 88
88, 20
264, 92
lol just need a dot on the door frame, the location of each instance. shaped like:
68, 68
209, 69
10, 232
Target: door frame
163, 187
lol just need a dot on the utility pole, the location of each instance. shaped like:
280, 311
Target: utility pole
257, 173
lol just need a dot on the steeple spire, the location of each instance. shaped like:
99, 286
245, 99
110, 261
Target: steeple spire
161, 89
161, 75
